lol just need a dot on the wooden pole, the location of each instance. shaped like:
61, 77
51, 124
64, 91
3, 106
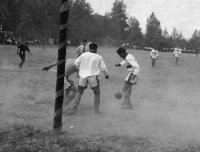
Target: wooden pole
64, 13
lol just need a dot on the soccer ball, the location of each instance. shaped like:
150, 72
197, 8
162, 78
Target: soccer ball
118, 95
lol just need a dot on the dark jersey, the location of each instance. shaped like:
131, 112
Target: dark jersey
23, 48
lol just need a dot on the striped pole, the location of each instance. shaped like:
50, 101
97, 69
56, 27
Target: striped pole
64, 12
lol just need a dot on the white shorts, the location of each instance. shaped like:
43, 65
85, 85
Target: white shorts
176, 55
131, 76
154, 57
92, 81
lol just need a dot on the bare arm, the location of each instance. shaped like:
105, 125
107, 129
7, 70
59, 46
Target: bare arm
28, 50
104, 68
50, 66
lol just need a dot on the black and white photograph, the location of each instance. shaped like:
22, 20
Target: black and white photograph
99, 76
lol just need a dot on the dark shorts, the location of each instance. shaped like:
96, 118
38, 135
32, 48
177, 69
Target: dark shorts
22, 56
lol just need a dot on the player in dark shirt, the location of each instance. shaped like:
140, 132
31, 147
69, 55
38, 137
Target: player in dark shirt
22, 48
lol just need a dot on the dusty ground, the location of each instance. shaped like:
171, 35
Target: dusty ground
166, 99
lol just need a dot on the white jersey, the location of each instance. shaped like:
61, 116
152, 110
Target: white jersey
130, 60
90, 64
154, 54
177, 52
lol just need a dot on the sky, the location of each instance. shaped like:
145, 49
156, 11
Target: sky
182, 14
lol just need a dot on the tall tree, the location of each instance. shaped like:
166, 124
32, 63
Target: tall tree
119, 19
174, 34
181, 40
3, 10
81, 22
10, 11
165, 34
153, 32
165, 41
41, 12
27, 28
104, 27
177, 39
135, 33
195, 40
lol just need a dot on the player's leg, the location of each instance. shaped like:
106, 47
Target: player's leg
94, 83
73, 92
81, 87
78, 97
96, 98
124, 90
153, 62
125, 87
70, 94
22, 57
130, 80
128, 96
176, 61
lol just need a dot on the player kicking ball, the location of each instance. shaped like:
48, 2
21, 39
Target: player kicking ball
154, 56
69, 87
131, 78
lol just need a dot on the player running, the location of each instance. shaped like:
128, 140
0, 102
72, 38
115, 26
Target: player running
176, 54
131, 78
90, 63
69, 87
154, 56
22, 48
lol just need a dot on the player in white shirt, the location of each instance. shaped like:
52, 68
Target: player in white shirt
90, 64
131, 78
154, 56
176, 54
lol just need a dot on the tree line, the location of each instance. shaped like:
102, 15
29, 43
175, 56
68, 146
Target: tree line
39, 19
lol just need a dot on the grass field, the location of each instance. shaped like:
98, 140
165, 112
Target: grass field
165, 100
